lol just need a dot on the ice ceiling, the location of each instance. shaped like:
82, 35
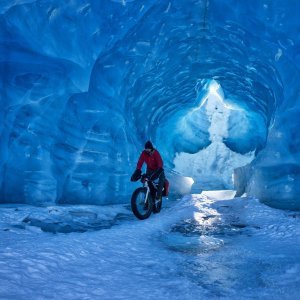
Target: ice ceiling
214, 84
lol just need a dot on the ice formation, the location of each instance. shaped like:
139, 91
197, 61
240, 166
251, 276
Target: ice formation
85, 83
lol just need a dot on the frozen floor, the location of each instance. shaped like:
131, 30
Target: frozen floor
199, 247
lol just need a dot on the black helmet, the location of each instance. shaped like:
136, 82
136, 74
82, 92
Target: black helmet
149, 145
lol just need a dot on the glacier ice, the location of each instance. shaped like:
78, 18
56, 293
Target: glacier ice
85, 83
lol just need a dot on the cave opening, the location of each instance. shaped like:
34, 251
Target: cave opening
211, 165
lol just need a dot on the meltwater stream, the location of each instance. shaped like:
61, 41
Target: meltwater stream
198, 247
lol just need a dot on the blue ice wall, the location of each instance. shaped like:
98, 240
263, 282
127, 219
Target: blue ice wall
85, 83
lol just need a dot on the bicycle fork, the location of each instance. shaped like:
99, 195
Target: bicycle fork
147, 193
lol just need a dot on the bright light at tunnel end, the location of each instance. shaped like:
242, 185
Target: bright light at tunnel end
213, 87
213, 90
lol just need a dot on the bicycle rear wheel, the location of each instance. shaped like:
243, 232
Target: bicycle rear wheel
140, 206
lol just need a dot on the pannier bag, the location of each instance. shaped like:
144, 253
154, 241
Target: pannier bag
166, 188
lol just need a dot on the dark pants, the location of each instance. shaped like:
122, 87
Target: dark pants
160, 175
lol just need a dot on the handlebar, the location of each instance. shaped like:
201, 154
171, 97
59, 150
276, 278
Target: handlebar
144, 178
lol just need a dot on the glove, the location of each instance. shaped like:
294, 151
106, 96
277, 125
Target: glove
136, 175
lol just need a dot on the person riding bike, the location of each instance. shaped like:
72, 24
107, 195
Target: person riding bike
154, 171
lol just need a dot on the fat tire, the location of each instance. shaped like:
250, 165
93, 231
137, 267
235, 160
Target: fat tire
134, 208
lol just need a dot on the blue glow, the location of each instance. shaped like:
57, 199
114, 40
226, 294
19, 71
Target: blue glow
85, 83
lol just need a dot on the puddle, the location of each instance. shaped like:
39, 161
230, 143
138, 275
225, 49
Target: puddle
191, 244
198, 237
215, 228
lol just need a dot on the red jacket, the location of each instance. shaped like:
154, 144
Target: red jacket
153, 160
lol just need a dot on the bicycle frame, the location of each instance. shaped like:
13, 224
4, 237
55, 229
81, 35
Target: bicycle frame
151, 188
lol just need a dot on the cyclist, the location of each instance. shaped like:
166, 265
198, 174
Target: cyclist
154, 163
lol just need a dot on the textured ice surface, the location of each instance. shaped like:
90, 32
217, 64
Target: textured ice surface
85, 83
199, 247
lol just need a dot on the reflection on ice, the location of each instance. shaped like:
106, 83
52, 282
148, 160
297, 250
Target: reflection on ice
202, 233
191, 244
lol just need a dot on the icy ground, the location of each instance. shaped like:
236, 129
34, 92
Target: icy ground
198, 247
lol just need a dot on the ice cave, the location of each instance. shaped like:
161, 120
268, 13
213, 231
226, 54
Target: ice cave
214, 84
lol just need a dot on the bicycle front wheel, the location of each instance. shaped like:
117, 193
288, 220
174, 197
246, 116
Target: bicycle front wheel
140, 206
